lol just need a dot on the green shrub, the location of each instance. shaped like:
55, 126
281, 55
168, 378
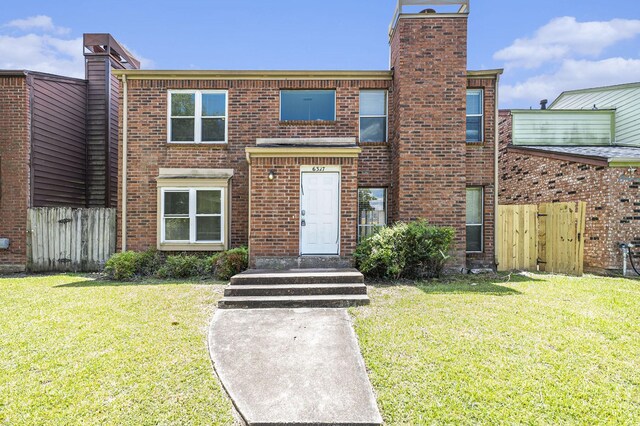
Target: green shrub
123, 266
231, 262
405, 250
131, 265
149, 262
185, 266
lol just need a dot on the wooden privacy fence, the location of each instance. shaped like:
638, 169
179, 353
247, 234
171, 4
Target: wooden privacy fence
546, 237
67, 239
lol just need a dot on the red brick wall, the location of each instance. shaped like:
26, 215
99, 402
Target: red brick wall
429, 57
612, 196
254, 108
374, 170
426, 166
14, 169
480, 166
275, 205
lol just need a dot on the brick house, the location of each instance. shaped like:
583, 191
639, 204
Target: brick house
585, 147
298, 165
58, 142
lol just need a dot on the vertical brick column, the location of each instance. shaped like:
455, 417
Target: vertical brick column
429, 59
15, 148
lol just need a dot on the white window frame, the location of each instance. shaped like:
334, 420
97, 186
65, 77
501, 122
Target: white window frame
481, 224
481, 115
335, 103
197, 133
386, 115
386, 208
193, 215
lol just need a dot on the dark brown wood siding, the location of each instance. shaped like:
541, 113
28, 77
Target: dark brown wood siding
97, 125
102, 132
58, 157
113, 141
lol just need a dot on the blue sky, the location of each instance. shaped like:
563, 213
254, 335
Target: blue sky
545, 46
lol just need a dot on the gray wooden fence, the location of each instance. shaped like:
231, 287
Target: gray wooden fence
67, 239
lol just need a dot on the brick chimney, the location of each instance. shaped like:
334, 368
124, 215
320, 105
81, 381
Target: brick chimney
429, 63
103, 54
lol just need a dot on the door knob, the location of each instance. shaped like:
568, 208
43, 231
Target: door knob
303, 223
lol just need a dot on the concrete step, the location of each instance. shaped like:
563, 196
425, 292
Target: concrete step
298, 276
295, 289
317, 301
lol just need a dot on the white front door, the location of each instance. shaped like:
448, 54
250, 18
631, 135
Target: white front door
320, 213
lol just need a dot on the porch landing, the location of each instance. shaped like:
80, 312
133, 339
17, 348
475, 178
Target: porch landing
296, 288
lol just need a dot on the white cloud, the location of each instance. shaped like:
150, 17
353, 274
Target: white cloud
45, 48
39, 22
565, 37
42, 53
572, 74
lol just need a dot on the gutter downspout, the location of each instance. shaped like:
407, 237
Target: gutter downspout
125, 116
249, 205
496, 185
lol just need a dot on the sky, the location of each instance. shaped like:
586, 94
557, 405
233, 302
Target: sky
544, 46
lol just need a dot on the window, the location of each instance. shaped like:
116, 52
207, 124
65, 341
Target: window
193, 210
372, 211
475, 209
198, 116
308, 105
474, 115
192, 215
373, 116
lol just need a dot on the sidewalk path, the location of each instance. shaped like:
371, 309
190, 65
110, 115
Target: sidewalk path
292, 366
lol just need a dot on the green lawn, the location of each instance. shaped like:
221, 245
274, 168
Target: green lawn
538, 349
78, 351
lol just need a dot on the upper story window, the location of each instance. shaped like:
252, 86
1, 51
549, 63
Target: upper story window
474, 115
197, 116
307, 105
373, 116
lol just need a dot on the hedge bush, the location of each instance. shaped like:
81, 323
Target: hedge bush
231, 262
131, 265
122, 266
405, 250
185, 266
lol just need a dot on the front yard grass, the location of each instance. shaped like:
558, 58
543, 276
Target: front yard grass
78, 351
538, 349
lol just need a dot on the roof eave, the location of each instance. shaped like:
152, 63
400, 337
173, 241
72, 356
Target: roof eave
492, 73
624, 162
576, 158
593, 89
252, 75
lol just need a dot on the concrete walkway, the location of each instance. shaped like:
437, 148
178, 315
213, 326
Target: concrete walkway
292, 366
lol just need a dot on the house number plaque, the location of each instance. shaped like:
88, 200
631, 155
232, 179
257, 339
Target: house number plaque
318, 168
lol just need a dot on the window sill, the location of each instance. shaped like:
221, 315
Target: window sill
191, 247
382, 143
480, 143
212, 145
308, 122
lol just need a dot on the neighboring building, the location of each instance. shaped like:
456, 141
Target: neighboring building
585, 147
298, 164
58, 141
